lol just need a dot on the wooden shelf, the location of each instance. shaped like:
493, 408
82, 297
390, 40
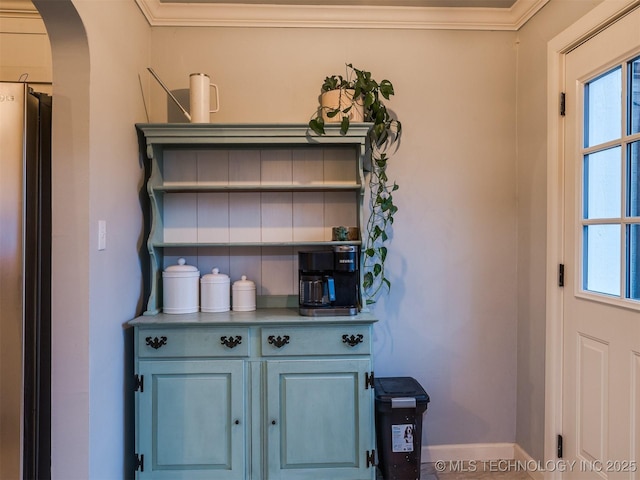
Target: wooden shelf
204, 188
253, 244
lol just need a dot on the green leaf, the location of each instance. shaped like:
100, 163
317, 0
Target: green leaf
383, 253
344, 125
317, 125
370, 252
386, 89
332, 113
368, 280
369, 98
377, 268
387, 282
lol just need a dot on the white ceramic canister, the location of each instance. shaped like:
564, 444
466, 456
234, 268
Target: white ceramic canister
180, 288
244, 295
215, 294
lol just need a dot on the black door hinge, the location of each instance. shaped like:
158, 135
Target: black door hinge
561, 275
368, 380
371, 458
562, 104
559, 447
139, 463
138, 383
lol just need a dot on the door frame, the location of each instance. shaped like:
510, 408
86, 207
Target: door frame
593, 22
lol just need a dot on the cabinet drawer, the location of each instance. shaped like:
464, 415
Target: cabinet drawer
193, 342
325, 340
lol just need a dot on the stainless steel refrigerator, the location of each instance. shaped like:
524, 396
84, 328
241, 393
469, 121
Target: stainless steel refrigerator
25, 282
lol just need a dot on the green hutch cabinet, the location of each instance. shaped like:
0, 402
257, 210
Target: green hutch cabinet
268, 394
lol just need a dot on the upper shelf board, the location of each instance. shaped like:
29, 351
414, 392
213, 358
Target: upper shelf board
210, 133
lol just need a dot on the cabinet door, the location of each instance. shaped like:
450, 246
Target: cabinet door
191, 420
319, 419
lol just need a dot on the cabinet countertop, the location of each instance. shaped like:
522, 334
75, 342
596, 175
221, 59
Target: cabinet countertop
260, 317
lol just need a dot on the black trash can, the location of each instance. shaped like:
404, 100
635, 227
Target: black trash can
400, 404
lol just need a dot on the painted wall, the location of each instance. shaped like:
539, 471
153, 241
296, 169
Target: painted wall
450, 320
119, 49
531, 213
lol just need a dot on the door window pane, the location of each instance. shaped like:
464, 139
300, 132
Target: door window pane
634, 96
602, 259
633, 180
633, 260
602, 184
603, 108
611, 182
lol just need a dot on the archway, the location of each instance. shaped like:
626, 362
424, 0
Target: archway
70, 151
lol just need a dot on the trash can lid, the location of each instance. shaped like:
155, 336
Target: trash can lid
388, 388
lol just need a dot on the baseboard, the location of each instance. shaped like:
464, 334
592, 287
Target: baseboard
482, 455
468, 451
525, 458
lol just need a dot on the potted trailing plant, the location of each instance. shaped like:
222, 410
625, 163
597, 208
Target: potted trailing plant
358, 90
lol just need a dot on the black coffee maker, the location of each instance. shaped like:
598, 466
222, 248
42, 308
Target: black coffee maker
329, 281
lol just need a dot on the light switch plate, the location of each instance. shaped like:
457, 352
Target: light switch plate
102, 234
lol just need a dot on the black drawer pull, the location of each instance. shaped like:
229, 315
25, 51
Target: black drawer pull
156, 342
278, 341
231, 341
352, 340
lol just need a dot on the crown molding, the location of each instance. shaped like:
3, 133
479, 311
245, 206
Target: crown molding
202, 14
18, 9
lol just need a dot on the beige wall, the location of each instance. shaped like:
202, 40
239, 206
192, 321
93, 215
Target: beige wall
532, 208
450, 320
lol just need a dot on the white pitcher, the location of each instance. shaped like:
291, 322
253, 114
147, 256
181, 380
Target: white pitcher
199, 98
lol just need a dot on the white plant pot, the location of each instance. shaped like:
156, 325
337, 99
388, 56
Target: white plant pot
341, 98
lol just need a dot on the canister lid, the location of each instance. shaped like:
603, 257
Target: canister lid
244, 284
215, 277
182, 267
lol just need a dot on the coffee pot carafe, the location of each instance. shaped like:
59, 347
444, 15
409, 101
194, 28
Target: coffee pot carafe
317, 290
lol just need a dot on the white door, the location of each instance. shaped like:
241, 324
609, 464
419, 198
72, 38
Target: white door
601, 336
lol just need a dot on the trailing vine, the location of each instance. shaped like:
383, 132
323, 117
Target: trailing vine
382, 211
